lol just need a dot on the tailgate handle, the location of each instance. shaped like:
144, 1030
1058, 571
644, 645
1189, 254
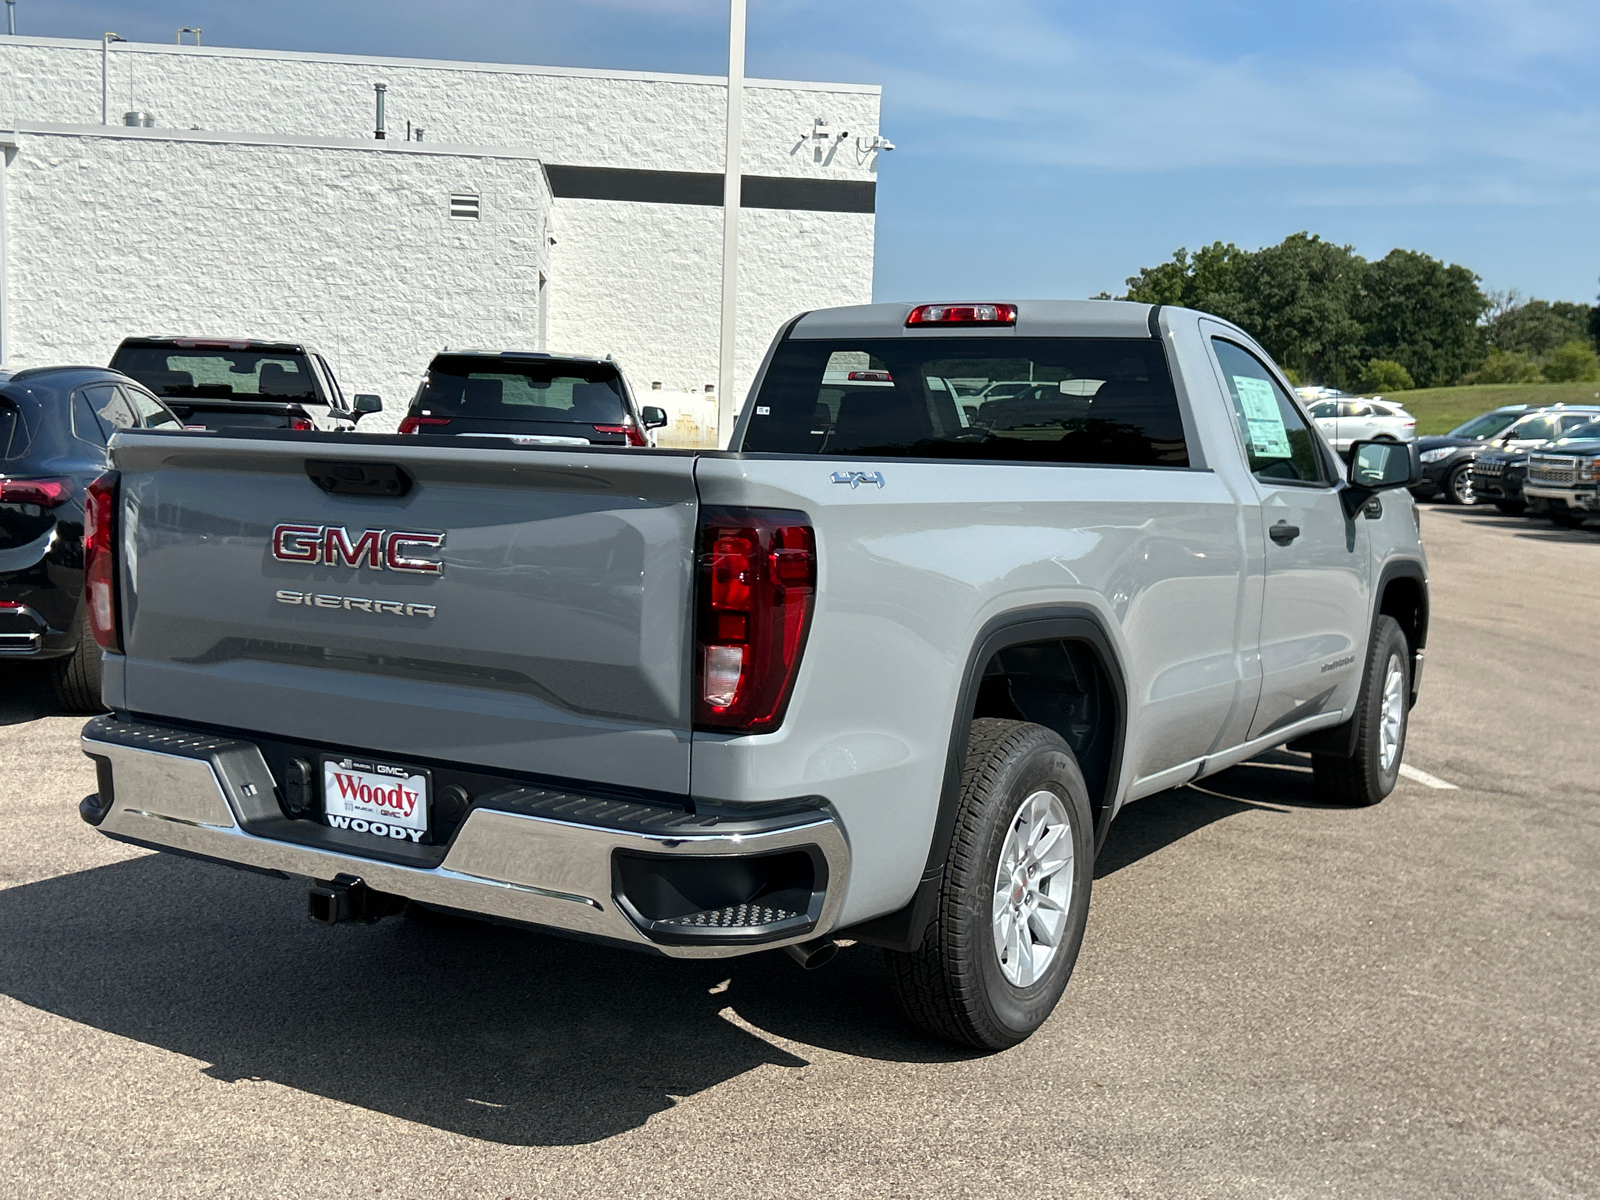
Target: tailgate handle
358, 478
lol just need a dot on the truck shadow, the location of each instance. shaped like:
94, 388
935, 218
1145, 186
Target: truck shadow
495, 1033
1274, 781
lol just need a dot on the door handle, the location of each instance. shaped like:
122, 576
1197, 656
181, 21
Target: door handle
1283, 533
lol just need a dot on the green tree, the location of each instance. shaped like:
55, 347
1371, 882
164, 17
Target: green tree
1422, 314
1537, 326
1573, 362
1206, 280
1508, 366
1385, 375
1323, 311
1297, 300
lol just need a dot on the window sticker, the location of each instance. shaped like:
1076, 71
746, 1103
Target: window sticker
1268, 438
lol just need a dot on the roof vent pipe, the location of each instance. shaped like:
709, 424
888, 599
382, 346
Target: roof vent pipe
379, 89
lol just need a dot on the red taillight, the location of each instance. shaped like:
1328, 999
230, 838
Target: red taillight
963, 314
628, 429
412, 424
100, 560
46, 493
756, 588
300, 424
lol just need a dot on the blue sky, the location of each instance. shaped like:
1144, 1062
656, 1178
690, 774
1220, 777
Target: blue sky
1051, 149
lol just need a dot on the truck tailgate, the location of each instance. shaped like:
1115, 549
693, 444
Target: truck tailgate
552, 639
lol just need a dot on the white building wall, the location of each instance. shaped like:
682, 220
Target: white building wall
346, 248
578, 117
638, 280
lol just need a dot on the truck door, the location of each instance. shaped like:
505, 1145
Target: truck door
1314, 604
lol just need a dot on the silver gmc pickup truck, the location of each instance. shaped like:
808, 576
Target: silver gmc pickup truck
971, 577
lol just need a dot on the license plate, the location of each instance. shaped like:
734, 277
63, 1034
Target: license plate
378, 799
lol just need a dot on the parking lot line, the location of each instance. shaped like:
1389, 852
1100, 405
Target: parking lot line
1426, 780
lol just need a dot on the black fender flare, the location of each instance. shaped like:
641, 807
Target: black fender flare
903, 929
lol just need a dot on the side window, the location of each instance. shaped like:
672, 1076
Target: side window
1277, 442
1573, 420
1327, 409
85, 424
107, 404
1539, 429
151, 413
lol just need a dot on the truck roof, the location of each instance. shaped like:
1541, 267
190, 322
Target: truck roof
1035, 318
190, 342
479, 352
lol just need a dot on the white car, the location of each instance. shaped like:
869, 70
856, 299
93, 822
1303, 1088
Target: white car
1352, 419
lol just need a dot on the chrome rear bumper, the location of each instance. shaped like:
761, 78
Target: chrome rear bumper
194, 794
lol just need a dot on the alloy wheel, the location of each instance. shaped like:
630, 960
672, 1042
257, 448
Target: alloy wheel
1391, 721
1033, 888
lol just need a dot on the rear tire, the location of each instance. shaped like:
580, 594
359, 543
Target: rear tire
1015, 895
75, 680
1381, 718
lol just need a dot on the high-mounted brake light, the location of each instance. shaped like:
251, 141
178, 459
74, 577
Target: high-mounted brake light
100, 560
754, 594
963, 314
628, 429
46, 493
870, 376
415, 424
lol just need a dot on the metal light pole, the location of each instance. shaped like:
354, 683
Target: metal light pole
11, 17
105, 75
730, 221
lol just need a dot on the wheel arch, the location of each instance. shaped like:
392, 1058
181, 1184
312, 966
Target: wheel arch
1077, 626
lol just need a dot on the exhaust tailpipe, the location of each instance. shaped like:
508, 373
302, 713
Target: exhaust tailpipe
813, 954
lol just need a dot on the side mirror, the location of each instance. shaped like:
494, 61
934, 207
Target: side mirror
654, 418
1379, 467
366, 403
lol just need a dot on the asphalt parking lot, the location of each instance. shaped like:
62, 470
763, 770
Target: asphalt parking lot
1274, 999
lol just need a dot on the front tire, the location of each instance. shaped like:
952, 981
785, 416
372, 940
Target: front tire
1015, 895
1565, 518
1511, 508
1458, 486
75, 680
1382, 716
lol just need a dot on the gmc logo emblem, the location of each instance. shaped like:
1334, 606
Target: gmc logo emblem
332, 546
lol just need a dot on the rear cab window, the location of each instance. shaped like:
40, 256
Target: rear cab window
220, 371
1091, 401
480, 388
